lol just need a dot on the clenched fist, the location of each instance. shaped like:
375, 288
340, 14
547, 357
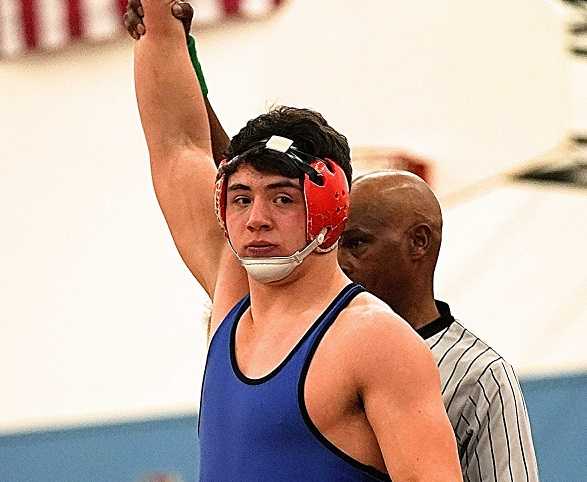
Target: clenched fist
133, 18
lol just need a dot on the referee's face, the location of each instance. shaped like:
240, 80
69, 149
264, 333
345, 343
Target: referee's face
373, 248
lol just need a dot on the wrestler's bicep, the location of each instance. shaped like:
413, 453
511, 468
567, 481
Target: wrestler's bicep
400, 389
184, 184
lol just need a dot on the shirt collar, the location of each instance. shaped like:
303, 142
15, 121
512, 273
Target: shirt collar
436, 326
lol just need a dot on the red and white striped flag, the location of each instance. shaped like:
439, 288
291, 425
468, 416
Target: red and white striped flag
29, 25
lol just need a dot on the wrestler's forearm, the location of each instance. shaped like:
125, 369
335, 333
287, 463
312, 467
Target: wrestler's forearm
171, 105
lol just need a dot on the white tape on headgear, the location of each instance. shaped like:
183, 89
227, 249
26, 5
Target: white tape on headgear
279, 144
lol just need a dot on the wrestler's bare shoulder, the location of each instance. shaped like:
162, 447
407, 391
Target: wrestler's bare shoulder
371, 341
369, 329
367, 313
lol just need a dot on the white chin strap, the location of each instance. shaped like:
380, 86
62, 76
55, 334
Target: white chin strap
269, 270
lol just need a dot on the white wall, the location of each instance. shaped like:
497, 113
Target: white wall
99, 320
478, 87
512, 267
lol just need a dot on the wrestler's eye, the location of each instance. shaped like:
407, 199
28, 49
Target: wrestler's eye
282, 199
241, 201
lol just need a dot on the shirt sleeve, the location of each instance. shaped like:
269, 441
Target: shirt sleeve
499, 443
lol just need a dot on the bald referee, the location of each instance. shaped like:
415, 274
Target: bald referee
390, 246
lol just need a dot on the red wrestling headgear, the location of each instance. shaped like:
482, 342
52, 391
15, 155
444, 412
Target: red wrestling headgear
326, 191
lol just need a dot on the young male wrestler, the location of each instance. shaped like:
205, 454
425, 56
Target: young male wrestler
308, 377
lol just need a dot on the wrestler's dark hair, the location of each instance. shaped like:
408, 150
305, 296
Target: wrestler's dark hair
309, 132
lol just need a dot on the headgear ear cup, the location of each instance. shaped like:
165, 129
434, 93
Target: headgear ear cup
327, 204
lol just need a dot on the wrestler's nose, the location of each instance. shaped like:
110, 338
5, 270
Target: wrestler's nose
259, 216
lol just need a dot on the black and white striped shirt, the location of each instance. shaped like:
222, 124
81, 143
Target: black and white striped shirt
484, 403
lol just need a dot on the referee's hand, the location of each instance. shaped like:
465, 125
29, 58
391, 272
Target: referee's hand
133, 18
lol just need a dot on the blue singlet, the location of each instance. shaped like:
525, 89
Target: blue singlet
254, 430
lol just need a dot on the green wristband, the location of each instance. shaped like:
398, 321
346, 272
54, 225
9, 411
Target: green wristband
196, 64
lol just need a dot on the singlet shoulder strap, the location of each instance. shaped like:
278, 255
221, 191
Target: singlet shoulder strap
224, 329
331, 313
219, 344
325, 320
328, 318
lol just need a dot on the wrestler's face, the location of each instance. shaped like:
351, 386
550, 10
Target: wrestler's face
265, 213
373, 248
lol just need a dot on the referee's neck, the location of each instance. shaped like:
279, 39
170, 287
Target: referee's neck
417, 311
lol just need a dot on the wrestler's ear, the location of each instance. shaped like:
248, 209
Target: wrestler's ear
420, 240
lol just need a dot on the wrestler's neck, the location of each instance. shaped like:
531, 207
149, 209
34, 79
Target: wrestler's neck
314, 283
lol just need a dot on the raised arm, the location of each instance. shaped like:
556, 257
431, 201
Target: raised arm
175, 122
171, 105
400, 388
184, 12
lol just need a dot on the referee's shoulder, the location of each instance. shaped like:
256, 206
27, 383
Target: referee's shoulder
480, 362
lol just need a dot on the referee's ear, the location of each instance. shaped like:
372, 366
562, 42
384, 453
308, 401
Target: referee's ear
420, 240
